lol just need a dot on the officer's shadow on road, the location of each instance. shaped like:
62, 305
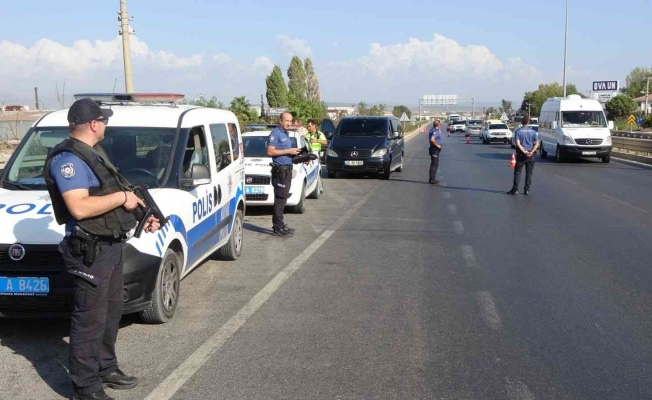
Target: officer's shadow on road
43, 342
448, 187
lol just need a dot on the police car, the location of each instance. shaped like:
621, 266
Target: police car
306, 178
191, 160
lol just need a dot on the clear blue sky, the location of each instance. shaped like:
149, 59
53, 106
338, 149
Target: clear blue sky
606, 40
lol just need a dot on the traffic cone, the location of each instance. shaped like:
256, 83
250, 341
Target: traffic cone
512, 164
468, 140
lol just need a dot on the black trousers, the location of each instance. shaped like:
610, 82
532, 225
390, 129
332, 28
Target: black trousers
434, 161
97, 309
528, 162
282, 181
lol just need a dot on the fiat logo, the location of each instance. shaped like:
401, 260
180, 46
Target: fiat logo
16, 252
249, 179
354, 154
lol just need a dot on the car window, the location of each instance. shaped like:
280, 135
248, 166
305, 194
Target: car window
363, 127
235, 144
196, 151
221, 146
256, 146
497, 126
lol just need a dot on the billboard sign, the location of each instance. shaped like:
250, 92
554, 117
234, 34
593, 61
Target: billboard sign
605, 86
439, 100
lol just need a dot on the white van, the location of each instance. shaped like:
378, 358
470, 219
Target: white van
192, 161
574, 127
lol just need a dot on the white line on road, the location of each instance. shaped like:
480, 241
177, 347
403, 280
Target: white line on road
517, 390
566, 179
452, 208
469, 256
626, 204
447, 195
489, 310
170, 385
458, 226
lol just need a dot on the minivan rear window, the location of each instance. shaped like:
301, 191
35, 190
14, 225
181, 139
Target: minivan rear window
363, 127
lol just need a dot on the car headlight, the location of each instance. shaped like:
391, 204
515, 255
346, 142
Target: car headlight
607, 141
379, 153
331, 153
568, 140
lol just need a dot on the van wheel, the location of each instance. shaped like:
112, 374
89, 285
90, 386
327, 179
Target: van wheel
233, 248
332, 174
317, 192
558, 157
544, 153
606, 159
166, 291
387, 172
400, 167
300, 208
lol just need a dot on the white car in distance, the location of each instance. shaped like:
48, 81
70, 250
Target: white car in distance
306, 178
496, 132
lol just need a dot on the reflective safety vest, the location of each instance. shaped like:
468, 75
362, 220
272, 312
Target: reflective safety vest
313, 139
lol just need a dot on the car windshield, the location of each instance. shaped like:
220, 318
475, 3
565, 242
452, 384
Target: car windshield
535, 128
518, 119
256, 146
140, 154
475, 122
583, 119
497, 126
362, 127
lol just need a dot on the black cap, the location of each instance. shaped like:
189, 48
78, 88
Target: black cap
85, 110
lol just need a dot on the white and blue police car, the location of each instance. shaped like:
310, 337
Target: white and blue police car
306, 178
190, 158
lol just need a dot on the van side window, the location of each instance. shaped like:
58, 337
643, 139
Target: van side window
235, 145
221, 146
196, 150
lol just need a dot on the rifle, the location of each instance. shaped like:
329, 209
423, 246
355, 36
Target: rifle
305, 155
150, 209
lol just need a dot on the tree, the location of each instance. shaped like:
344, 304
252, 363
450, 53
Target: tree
297, 79
544, 92
378, 109
277, 92
620, 106
491, 111
399, 110
312, 84
241, 107
506, 106
202, 102
305, 109
636, 81
362, 108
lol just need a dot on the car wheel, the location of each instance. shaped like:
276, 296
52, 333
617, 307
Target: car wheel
387, 172
332, 174
165, 296
317, 192
233, 248
300, 208
544, 153
400, 167
558, 157
606, 159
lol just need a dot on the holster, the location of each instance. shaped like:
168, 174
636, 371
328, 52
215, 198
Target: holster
85, 245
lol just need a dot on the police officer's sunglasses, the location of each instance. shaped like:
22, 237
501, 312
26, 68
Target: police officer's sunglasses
104, 120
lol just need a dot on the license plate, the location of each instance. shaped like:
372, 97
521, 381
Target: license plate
589, 153
255, 190
24, 286
355, 163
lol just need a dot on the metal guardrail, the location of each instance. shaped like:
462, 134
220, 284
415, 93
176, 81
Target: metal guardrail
637, 135
637, 147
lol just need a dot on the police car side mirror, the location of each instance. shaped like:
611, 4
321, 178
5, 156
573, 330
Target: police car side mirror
200, 175
610, 125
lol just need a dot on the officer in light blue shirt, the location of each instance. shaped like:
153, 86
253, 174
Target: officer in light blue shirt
279, 147
527, 144
434, 138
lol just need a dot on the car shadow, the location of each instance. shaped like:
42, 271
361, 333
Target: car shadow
495, 156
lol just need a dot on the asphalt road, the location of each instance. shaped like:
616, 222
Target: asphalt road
399, 289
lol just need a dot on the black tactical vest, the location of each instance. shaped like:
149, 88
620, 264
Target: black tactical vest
114, 223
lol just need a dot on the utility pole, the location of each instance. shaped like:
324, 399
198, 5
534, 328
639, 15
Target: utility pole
473, 107
36, 97
647, 92
420, 108
565, 48
126, 47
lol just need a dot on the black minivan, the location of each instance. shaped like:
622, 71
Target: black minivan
366, 145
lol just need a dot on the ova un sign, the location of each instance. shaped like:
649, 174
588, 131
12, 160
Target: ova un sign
605, 86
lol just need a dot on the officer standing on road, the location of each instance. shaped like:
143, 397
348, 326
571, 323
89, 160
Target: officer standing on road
317, 138
434, 137
280, 149
527, 144
92, 199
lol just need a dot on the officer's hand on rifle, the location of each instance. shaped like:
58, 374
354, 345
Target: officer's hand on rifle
293, 152
132, 201
152, 224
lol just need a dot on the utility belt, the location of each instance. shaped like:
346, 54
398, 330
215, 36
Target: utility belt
84, 244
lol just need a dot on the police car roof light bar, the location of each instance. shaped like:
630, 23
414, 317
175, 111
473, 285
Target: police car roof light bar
131, 97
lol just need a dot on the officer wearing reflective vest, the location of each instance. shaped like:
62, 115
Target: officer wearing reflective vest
280, 148
93, 200
316, 138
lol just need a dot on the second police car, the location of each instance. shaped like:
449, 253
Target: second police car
306, 178
190, 158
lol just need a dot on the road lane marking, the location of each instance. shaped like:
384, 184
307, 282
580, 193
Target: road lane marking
173, 382
517, 390
452, 208
447, 195
458, 226
567, 180
489, 310
626, 204
469, 256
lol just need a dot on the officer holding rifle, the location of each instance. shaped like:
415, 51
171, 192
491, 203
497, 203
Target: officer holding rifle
97, 207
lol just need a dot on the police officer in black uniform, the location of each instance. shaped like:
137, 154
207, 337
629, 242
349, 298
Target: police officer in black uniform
280, 149
93, 200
